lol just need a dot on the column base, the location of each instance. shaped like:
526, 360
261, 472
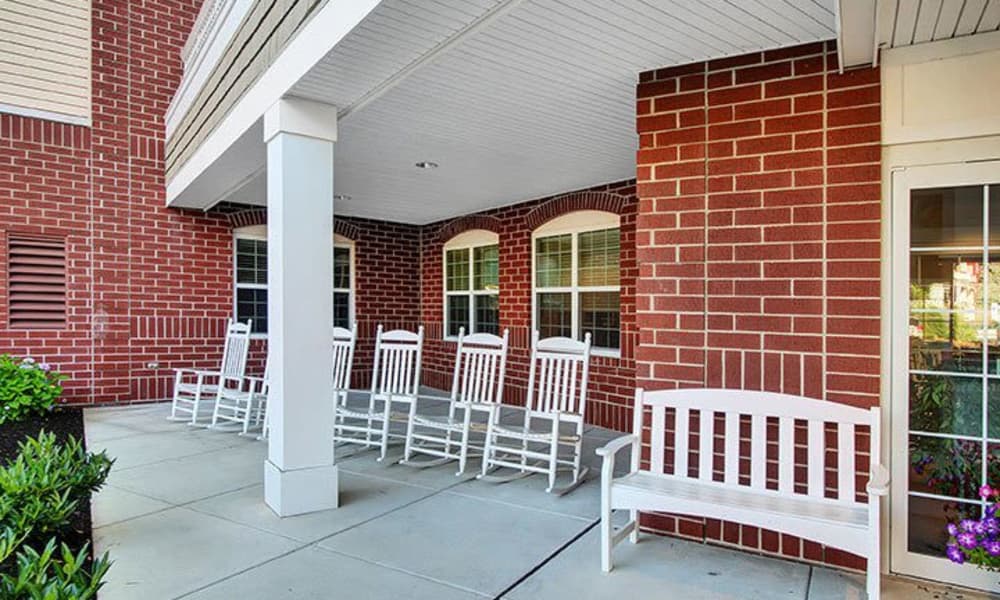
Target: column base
301, 491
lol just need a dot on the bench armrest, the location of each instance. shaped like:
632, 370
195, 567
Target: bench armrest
878, 485
610, 451
612, 447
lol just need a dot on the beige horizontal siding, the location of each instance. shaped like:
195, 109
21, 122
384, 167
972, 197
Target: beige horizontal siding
263, 34
45, 48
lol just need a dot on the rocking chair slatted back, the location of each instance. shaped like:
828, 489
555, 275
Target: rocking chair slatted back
236, 349
557, 380
480, 367
343, 356
397, 362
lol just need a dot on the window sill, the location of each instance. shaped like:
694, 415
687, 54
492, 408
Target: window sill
605, 353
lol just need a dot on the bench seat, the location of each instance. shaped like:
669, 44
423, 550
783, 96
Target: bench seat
821, 520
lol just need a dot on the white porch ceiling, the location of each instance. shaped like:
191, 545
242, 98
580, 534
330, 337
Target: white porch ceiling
514, 99
907, 22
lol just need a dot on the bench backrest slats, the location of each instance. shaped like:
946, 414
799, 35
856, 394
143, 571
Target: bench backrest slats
658, 440
803, 428
706, 434
786, 455
682, 437
845, 462
732, 455
758, 452
816, 459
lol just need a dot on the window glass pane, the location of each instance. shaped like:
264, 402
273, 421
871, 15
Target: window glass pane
928, 518
600, 316
342, 310
945, 467
554, 261
597, 259
486, 267
488, 314
555, 314
342, 268
951, 216
458, 314
251, 261
457, 266
946, 404
946, 312
252, 304
995, 215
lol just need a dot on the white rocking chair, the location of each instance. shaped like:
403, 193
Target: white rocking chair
195, 387
395, 378
557, 397
477, 386
343, 361
245, 404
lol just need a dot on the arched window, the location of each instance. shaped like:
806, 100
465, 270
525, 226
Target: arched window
472, 283
576, 280
250, 278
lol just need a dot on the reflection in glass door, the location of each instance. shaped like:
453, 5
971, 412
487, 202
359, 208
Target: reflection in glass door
952, 388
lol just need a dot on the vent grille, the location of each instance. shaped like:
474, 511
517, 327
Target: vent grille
36, 279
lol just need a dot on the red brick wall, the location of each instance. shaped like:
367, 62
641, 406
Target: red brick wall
612, 379
758, 238
144, 283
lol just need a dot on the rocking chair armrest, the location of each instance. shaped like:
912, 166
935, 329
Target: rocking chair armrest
200, 372
878, 485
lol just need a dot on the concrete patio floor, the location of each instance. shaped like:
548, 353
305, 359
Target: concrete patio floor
183, 517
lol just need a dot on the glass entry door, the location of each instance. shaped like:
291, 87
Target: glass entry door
946, 361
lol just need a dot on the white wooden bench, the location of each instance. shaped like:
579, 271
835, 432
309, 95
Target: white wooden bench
735, 485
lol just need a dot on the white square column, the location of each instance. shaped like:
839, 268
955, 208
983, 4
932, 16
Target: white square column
299, 474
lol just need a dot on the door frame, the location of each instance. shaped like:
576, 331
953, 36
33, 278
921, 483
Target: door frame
904, 180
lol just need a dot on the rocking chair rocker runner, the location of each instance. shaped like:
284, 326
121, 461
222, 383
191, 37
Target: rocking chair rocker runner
195, 387
557, 397
477, 386
395, 378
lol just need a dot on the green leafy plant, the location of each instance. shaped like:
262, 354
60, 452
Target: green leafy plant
47, 575
40, 491
26, 388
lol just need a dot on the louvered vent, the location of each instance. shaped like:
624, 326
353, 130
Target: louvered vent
36, 278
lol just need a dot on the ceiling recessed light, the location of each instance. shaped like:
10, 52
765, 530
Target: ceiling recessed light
341, 197
426, 164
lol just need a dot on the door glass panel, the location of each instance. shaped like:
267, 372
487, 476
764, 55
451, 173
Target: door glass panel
954, 313
946, 217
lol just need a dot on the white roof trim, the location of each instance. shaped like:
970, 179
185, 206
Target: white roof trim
324, 31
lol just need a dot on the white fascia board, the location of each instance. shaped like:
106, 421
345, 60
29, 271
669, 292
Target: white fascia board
856, 31
323, 32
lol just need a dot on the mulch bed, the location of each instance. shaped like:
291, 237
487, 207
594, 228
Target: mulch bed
63, 422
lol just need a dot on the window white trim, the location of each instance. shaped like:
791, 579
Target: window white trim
340, 241
259, 233
468, 241
574, 223
253, 232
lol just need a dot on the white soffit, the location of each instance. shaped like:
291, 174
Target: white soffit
514, 99
908, 22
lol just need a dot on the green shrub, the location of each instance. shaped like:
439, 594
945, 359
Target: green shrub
41, 488
40, 491
26, 388
47, 576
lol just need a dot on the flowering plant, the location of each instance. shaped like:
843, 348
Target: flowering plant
26, 387
977, 541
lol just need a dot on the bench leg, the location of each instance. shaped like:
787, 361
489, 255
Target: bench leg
633, 537
607, 542
874, 576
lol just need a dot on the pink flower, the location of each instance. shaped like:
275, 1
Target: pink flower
986, 491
